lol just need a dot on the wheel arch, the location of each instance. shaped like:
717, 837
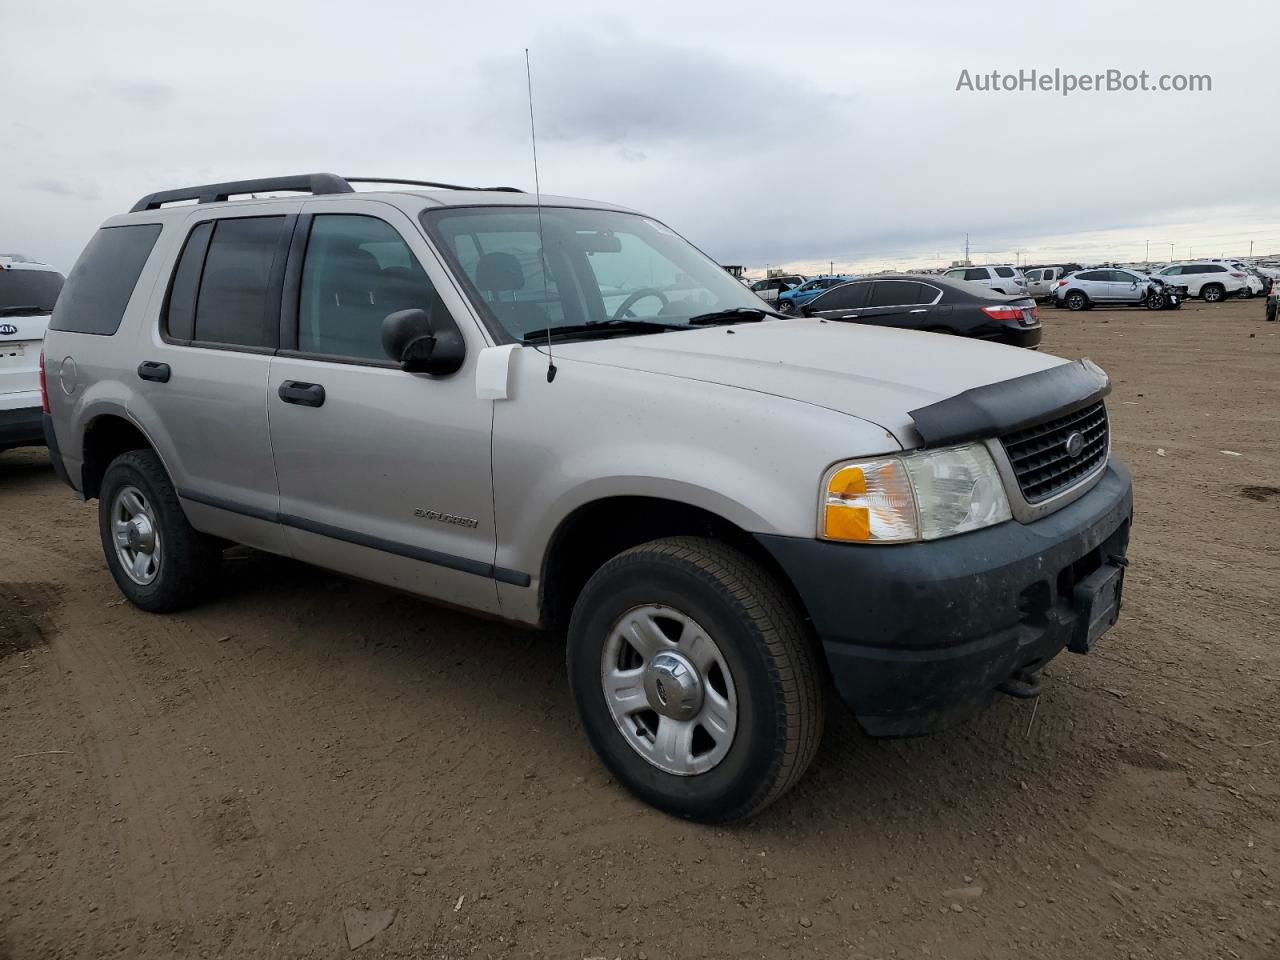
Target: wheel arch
595, 531
107, 435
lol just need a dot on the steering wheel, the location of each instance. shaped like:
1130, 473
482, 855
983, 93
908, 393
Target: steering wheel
636, 297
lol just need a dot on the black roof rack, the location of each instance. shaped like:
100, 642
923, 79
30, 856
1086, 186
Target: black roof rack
313, 183
430, 183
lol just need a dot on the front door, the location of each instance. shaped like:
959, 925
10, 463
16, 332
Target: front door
383, 474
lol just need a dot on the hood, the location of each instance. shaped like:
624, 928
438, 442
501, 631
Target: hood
872, 373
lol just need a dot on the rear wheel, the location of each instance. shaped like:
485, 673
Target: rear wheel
1077, 300
695, 679
158, 560
1212, 293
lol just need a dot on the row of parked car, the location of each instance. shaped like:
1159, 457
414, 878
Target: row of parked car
1066, 285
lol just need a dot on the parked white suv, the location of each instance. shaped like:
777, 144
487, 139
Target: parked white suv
562, 414
1000, 277
28, 290
1209, 281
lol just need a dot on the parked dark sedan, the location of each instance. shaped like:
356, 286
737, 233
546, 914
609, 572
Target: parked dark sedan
936, 304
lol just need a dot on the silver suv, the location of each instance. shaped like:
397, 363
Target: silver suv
560, 413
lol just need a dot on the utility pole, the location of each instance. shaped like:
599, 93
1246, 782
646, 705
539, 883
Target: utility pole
1148, 251
1171, 251
1250, 248
831, 268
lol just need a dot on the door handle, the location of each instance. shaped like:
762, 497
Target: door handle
921, 310
151, 370
305, 394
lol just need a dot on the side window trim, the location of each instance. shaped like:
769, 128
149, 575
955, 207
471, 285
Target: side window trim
275, 284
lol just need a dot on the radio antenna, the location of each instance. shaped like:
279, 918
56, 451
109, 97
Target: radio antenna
537, 200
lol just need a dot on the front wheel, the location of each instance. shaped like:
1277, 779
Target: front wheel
1246, 293
786, 306
696, 681
1212, 293
158, 560
1155, 301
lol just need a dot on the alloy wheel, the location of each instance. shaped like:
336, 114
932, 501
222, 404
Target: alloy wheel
669, 690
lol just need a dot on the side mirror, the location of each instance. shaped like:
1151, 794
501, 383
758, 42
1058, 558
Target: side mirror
421, 344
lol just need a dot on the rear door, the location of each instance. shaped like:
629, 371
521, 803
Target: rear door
898, 303
383, 474
201, 388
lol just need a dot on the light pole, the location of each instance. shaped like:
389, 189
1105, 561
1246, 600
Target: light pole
1148, 251
1170, 251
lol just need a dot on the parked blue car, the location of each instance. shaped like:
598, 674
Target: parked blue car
792, 300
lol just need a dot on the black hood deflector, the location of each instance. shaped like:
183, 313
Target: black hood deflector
1000, 408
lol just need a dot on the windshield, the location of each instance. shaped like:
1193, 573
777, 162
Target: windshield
601, 265
28, 291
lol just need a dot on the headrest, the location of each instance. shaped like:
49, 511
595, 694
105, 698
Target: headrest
499, 273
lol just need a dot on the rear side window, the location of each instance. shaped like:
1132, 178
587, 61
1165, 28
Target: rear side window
1093, 275
1004, 271
894, 293
95, 296
357, 270
222, 284
851, 296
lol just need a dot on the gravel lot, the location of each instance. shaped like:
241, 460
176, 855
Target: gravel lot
267, 773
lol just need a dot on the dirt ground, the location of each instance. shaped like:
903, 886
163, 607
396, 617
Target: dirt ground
236, 781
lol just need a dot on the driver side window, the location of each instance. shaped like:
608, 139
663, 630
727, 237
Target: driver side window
357, 270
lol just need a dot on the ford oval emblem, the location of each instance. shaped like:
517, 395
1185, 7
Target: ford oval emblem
1075, 444
7, 329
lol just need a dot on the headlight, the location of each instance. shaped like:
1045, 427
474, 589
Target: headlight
917, 496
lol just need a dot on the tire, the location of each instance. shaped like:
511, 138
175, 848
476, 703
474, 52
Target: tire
786, 306
1076, 300
1155, 301
1245, 293
768, 678
1212, 293
183, 562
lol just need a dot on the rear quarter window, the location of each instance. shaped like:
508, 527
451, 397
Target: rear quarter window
1004, 271
96, 293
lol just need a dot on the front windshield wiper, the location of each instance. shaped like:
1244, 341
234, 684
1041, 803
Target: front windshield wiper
615, 325
30, 308
734, 315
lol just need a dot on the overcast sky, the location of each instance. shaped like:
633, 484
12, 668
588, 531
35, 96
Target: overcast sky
766, 133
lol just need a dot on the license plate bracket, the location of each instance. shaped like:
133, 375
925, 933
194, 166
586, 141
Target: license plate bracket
1096, 599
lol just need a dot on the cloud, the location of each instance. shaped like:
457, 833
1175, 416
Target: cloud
139, 93
61, 188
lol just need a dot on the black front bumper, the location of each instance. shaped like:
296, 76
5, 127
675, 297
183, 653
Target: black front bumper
920, 636
21, 428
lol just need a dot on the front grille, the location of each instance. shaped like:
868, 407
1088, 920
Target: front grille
1039, 454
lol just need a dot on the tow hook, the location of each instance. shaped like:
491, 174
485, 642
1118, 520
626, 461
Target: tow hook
1021, 685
